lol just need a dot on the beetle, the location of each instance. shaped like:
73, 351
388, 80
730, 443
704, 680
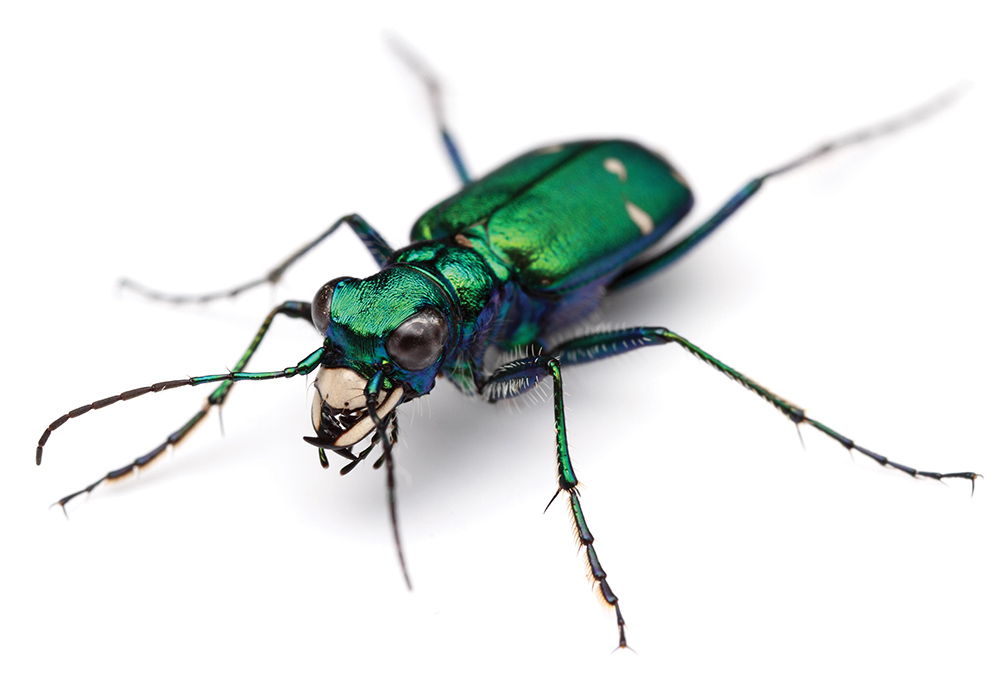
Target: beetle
511, 261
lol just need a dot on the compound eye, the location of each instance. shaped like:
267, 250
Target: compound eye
321, 304
418, 342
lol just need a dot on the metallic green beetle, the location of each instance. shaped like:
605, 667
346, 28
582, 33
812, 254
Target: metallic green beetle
510, 261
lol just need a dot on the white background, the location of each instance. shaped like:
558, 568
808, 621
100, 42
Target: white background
193, 148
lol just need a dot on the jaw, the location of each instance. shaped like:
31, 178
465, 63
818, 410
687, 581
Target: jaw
340, 411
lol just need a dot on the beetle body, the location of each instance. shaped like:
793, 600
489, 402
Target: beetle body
531, 247
506, 262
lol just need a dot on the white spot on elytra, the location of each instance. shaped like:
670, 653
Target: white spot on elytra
615, 166
641, 219
551, 149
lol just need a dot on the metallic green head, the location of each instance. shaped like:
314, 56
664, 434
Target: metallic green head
385, 336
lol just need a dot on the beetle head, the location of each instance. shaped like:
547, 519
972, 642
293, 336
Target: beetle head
386, 338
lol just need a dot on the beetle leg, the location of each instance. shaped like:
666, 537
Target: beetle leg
375, 243
433, 87
516, 377
650, 265
599, 345
295, 310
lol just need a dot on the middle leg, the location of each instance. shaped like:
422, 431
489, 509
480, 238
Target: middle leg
596, 346
377, 246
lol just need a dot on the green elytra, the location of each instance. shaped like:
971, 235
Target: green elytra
509, 261
592, 207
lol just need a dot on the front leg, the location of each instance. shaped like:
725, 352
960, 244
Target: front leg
291, 309
517, 377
